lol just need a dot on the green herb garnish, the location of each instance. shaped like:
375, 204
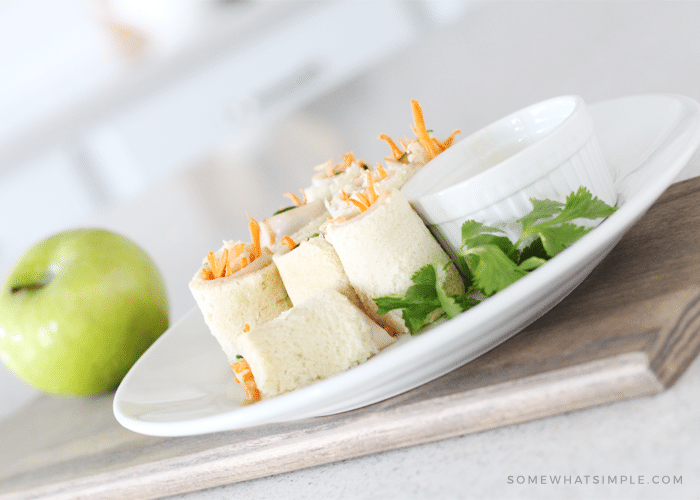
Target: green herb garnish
284, 209
491, 262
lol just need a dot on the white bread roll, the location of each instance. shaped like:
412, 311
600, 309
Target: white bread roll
291, 221
253, 295
322, 336
323, 187
311, 267
382, 248
397, 174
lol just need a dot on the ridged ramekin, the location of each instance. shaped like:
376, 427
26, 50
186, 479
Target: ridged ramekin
546, 150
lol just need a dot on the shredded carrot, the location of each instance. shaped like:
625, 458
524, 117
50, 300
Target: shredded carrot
348, 158
382, 172
448, 142
330, 169
212, 262
246, 328
358, 204
432, 146
394, 148
286, 240
237, 249
217, 268
249, 386
421, 132
371, 193
331, 220
363, 199
294, 198
343, 195
244, 262
255, 236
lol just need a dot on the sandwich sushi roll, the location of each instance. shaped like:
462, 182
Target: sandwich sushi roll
401, 165
419, 151
291, 220
320, 337
238, 287
311, 266
330, 177
381, 249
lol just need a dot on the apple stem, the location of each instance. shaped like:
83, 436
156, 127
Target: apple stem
28, 286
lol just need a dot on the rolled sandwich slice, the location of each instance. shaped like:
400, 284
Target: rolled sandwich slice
302, 217
320, 337
310, 267
344, 203
382, 248
238, 287
331, 177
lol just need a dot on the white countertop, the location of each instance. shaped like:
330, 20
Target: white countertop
499, 58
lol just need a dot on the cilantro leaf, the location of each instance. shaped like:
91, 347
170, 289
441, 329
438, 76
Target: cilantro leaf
501, 242
557, 238
582, 205
534, 249
490, 261
417, 303
472, 228
491, 268
557, 233
426, 295
542, 209
531, 263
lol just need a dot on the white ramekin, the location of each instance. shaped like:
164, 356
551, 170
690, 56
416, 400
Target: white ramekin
546, 150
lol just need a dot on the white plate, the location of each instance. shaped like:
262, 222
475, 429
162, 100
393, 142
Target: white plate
183, 386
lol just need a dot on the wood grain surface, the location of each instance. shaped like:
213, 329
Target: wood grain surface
630, 329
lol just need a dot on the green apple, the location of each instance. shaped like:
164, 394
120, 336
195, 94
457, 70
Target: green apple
78, 310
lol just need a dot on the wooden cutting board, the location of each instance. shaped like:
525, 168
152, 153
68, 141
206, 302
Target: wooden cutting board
630, 329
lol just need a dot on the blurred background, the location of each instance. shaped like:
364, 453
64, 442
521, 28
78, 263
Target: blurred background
167, 120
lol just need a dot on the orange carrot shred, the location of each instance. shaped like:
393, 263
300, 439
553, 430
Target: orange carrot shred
358, 204
382, 172
249, 386
237, 249
251, 391
286, 240
244, 262
255, 236
246, 327
294, 198
394, 148
421, 132
372, 195
223, 263
212, 262
348, 158
448, 142
363, 199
